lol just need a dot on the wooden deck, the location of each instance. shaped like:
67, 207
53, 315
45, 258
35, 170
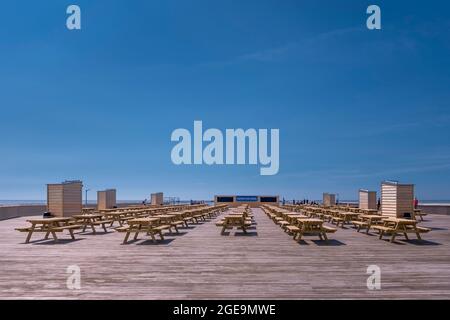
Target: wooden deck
202, 264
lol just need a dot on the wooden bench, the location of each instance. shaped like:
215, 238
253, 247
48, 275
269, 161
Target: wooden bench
360, 225
420, 215
328, 229
102, 223
292, 230
283, 224
337, 220
137, 230
188, 219
401, 227
177, 223
49, 226
220, 223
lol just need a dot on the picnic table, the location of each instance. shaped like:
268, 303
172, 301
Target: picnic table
120, 217
91, 220
395, 226
311, 226
419, 213
171, 220
151, 226
366, 221
346, 217
369, 211
235, 220
292, 217
49, 226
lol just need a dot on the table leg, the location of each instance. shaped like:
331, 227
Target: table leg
54, 236
71, 234
153, 236
405, 233
104, 227
137, 232
417, 233
33, 226
126, 237
393, 236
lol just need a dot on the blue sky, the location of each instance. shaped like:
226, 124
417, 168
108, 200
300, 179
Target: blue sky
354, 107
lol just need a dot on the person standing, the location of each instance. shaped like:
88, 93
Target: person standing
378, 204
416, 202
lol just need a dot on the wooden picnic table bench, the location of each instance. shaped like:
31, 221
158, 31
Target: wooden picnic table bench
366, 221
342, 217
395, 226
419, 213
49, 226
234, 220
119, 217
151, 226
170, 220
369, 211
91, 220
307, 226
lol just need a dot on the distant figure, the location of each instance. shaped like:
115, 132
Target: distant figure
416, 202
284, 201
378, 204
192, 202
293, 202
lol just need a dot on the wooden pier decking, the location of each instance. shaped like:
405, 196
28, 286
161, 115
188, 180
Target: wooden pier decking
202, 264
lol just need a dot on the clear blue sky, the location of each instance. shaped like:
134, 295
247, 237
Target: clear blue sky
354, 107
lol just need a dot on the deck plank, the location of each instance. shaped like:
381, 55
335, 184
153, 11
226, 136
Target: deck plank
202, 264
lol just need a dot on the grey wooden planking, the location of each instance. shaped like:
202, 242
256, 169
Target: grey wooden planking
202, 264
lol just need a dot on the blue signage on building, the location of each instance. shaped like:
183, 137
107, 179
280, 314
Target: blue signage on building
247, 198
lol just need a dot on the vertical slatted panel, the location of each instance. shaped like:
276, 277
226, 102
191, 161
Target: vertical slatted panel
111, 198
72, 202
389, 199
405, 205
55, 199
101, 200
397, 199
157, 198
372, 200
367, 199
329, 199
363, 199
65, 199
106, 199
